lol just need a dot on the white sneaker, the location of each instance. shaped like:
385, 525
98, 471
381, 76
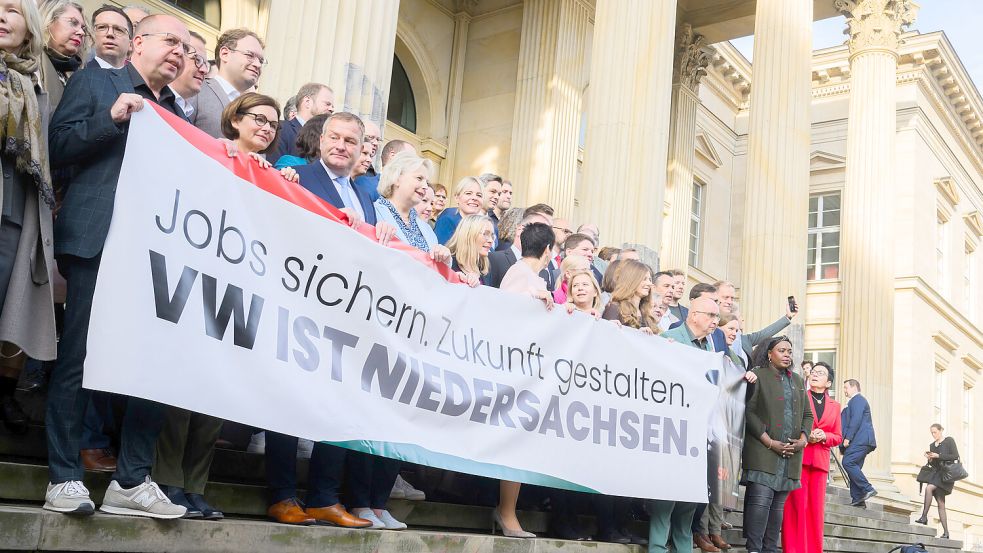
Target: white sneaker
369, 515
257, 443
390, 521
69, 497
403, 490
305, 448
145, 500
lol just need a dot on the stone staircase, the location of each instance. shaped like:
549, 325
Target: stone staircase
434, 527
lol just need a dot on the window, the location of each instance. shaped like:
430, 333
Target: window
402, 106
941, 240
827, 356
696, 224
823, 250
209, 11
940, 397
966, 448
969, 281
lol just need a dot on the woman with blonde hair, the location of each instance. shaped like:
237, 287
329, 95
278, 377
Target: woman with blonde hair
570, 264
583, 292
631, 298
402, 185
468, 195
469, 246
65, 37
27, 323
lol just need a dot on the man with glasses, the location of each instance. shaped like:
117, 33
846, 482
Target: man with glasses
188, 83
111, 33
240, 61
88, 136
673, 520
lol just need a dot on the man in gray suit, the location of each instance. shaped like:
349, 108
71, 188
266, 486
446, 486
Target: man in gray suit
240, 61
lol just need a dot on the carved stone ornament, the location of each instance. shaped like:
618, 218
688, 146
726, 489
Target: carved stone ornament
691, 59
876, 24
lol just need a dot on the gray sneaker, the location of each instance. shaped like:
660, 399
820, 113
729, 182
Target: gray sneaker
69, 497
145, 500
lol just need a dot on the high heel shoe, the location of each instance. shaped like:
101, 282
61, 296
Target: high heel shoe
497, 522
922, 520
944, 536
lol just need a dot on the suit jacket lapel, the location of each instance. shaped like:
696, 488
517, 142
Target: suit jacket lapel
121, 80
327, 185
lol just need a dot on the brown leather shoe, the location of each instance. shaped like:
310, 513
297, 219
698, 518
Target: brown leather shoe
337, 516
704, 544
718, 541
99, 460
289, 511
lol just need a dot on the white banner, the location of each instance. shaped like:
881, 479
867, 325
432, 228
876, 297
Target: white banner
219, 297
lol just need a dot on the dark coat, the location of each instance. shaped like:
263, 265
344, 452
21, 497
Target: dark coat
315, 178
858, 427
84, 136
765, 412
287, 141
947, 453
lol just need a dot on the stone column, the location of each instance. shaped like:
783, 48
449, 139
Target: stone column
689, 66
549, 102
346, 44
628, 121
777, 189
866, 258
459, 48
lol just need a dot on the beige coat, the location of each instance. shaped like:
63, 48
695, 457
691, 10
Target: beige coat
27, 319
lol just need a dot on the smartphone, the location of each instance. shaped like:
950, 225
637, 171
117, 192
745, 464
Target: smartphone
792, 306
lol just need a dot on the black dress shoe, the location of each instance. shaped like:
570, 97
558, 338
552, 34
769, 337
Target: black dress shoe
177, 497
944, 536
207, 511
922, 520
13, 416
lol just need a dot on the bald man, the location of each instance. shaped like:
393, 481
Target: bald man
671, 521
88, 134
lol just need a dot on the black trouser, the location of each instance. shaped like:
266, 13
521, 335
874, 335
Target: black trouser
370, 479
763, 511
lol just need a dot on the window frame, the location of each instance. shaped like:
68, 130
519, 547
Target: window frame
815, 266
694, 249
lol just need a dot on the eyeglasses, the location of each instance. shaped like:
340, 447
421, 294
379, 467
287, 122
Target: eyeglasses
104, 28
198, 59
713, 316
261, 120
173, 41
566, 230
251, 56
75, 24
372, 139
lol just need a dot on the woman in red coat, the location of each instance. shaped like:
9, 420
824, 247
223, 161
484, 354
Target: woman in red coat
802, 528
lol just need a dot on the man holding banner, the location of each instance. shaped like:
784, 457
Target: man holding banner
89, 134
672, 520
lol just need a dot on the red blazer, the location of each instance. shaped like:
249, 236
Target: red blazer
817, 455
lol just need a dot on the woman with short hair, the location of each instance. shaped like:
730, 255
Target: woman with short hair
65, 45
778, 422
252, 123
439, 201
468, 195
941, 451
402, 185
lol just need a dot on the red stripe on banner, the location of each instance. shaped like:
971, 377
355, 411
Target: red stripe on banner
271, 181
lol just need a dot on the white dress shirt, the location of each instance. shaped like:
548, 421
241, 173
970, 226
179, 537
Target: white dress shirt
345, 189
228, 88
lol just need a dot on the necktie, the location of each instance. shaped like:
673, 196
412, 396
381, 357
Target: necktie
346, 193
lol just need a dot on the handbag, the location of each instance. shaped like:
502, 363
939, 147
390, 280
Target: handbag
953, 471
924, 474
916, 548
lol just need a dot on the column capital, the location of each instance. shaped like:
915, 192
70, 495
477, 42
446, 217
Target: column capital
691, 59
876, 24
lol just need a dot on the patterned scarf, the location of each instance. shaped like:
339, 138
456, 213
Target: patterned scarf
20, 122
412, 230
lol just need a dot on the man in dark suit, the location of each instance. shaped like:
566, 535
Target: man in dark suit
329, 179
312, 99
111, 33
240, 61
576, 244
500, 262
88, 134
858, 442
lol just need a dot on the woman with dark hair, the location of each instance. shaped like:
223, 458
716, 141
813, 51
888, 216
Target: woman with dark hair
942, 450
252, 123
802, 529
308, 144
778, 424
631, 297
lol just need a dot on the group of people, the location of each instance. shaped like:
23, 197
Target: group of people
67, 122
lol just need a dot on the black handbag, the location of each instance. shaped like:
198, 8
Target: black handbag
924, 474
953, 471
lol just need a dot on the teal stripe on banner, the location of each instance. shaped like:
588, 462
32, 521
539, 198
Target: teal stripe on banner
416, 454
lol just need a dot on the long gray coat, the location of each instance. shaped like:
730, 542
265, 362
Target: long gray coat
27, 319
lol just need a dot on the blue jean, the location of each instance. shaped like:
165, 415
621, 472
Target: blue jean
323, 477
853, 463
99, 424
67, 399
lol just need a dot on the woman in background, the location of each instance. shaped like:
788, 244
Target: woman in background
942, 450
